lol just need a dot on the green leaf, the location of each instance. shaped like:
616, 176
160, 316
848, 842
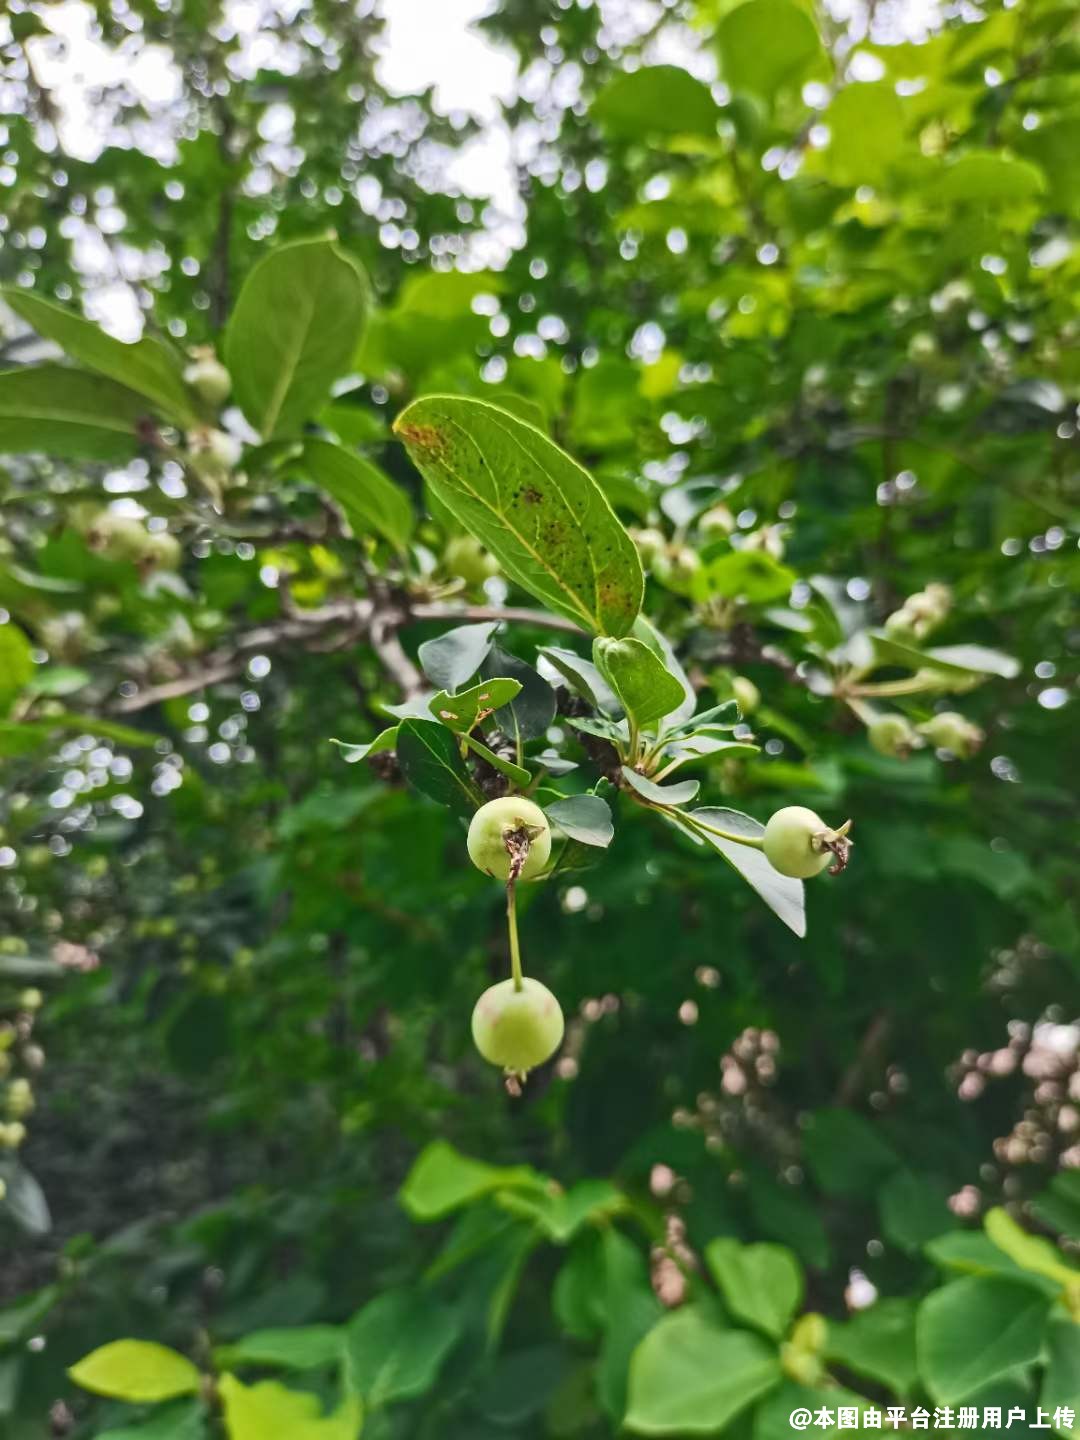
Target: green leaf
454, 657
385, 740
656, 100
540, 514
16, 664
787, 1212
1030, 1252
270, 1411
562, 1214
1061, 1378
762, 1285
395, 1345
186, 1420
692, 748
988, 177
516, 774
784, 896
752, 576
972, 1252
975, 658
689, 1376
431, 762
976, 1331
772, 1418
584, 818
442, 1180
300, 1347
24, 1199
464, 709
867, 129
914, 1210
768, 45
679, 794
532, 710
1058, 1207
150, 367
584, 678
293, 332
662, 648
23, 737
136, 1370
845, 1153
522, 1384
369, 498
639, 679
878, 1344
68, 414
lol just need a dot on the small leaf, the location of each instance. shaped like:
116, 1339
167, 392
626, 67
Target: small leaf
395, 1346
689, 1376
369, 498
431, 762
783, 895
24, 1198
299, 1347
186, 1420
658, 99
752, 576
976, 1331
866, 122
293, 332
454, 657
707, 747
878, 1344
767, 45
16, 664
136, 1370
68, 414
643, 685
462, 710
539, 513
516, 774
615, 731
1030, 1252
662, 648
443, 1180
988, 177
585, 818
679, 794
529, 714
762, 1284
846, 1154
562, 1214
914, 1210
271, 1411
150, 367
584, 678
385, 740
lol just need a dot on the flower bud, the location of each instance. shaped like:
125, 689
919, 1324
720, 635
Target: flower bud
746, 693
954, 732
31, 1000
717, 520
209, 379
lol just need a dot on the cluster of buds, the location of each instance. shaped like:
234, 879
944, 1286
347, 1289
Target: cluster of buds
895, 735
920, 613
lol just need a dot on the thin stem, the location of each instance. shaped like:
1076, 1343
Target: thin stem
755, 842
912, 685
511, 925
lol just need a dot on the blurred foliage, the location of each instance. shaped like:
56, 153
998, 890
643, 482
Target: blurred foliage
805, 309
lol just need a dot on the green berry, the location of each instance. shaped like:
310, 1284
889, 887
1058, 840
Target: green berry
952, 731
893, 735
746, 693
501, 820
466, 558
798, 843
517, 1028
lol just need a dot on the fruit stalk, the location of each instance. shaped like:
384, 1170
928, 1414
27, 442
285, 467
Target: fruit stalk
511, 925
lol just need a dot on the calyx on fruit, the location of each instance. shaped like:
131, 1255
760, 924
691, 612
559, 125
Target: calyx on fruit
893, 735
798, 843
517, 1025
510, 838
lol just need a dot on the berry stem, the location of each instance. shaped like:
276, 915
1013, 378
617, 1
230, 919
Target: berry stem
755, 842
511, 925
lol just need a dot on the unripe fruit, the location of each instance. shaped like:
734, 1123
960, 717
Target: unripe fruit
798, 843
893, 735
466, 558
500, 820
650, 543
952, 731
209, 379
746, 693
517, 1029
31, 1000
901, 623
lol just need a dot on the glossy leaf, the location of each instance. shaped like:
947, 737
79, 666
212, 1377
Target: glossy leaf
442, 1180
768, 45
395, 1346
431, 762
681, 793
658, 99
976, 1331
528, 715
584, 818
641, 682
762, 1285
136, 1370
68, 414
464, 709
455, 656
783, 895
271, 1411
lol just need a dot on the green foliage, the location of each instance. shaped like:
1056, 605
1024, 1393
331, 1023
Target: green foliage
745, 481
